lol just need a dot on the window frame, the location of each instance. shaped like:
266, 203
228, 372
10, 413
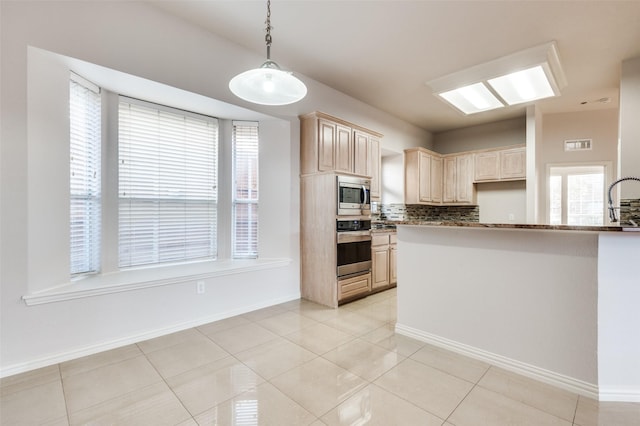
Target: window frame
165, 228
252, 203
91, 187
607, 178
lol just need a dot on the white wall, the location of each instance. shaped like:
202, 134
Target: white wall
393, 179
491, 135
502, 202
522, 299
140, 40
630, 127
600, 125
619, 316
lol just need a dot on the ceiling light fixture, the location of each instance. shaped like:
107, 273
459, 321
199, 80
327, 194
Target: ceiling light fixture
472, 98
268, 85
524, 76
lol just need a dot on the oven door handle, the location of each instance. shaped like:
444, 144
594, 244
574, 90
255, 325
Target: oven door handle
353, 236
364, 196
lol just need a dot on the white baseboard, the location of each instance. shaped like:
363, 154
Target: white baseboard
619, 395
128, 340
561, 381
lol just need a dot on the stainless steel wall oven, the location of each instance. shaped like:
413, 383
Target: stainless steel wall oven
353, 247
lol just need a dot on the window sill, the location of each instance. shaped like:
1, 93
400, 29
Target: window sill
137, 279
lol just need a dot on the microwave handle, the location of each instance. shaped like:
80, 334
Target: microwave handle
364, 195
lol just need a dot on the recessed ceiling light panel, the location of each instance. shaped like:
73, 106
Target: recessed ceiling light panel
472, 98
539, 76
523, 86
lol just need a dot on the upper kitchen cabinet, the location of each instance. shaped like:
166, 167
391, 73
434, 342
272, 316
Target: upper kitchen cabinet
500, 164
375, 161
458, 179
329, 144
422, 176
513, 163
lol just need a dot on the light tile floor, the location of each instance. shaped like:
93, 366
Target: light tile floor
297, 363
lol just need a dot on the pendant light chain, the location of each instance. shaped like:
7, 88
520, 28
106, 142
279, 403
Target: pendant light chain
267, 38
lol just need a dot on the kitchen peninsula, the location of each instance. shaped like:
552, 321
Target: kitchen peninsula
555, 303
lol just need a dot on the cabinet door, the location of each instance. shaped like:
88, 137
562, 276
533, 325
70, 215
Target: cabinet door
374, 155
354, 286
326, 145
449, 177
362, 157
436, 179
380, 260
513, 163
393, 271
487, 166
424, 185
344, 149
464, 179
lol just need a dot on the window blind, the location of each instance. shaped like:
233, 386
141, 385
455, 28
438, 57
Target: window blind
84, 174
245, 189
167, 184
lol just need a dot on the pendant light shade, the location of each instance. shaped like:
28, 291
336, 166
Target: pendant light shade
268, 85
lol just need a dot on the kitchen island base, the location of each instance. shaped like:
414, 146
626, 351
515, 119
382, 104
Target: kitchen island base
557, 306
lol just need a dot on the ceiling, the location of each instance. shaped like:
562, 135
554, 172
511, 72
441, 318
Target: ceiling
384, 52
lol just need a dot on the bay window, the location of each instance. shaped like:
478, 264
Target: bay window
245, 189
167, 190
84, 175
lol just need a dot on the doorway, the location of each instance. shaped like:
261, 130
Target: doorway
576, 194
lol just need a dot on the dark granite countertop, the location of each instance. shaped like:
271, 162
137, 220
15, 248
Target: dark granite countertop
508, 226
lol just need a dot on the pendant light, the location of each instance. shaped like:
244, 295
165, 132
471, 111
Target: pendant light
268, 85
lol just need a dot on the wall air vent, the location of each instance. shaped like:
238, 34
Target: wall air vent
577, 145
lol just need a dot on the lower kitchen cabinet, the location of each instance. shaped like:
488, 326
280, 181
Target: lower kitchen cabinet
383, 256
393, 253
354, 286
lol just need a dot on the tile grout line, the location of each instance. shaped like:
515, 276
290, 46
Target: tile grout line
164, 380
64, 394
465, 397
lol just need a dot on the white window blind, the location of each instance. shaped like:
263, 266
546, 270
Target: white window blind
245, 189
84, 161
167, 184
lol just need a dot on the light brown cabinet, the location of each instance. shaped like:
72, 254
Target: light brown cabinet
393, 270
436, 179
383, 256
329, 147
513, 163
343, 149
422, 177
375, 161
355, 286
500, 164
329, 144
362, 159
458, 179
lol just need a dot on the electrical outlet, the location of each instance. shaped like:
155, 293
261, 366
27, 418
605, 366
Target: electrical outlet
200, 287
512, 217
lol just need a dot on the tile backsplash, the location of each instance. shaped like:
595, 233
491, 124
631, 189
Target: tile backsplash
427, 213
629, 211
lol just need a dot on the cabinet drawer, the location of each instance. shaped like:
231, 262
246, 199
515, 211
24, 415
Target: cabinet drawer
393, 238
379, 240
354, 286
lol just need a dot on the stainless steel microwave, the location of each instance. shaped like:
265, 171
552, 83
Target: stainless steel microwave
354, 198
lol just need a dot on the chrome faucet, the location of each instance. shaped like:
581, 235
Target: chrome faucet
612, 210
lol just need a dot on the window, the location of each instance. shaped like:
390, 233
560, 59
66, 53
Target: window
168, 192
84, 174
576, 195
245, 189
